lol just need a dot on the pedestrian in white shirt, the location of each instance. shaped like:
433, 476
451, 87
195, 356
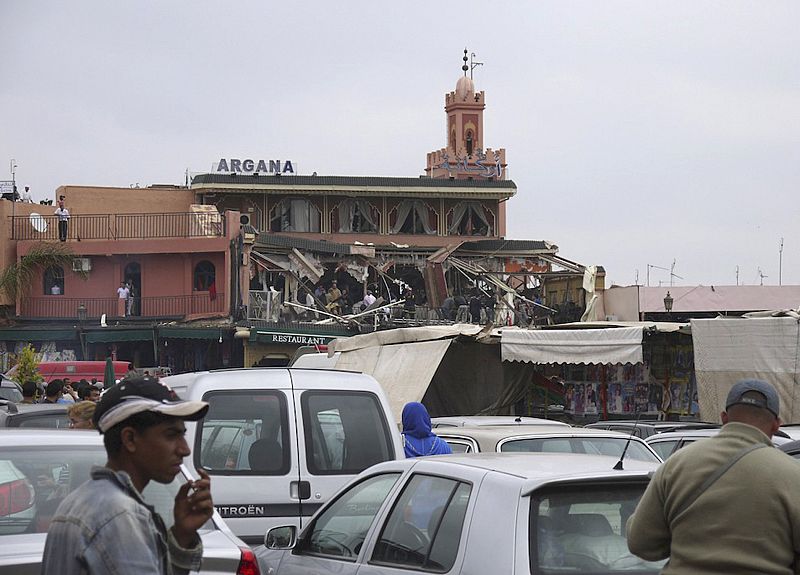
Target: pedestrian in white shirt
63, 218
123, 293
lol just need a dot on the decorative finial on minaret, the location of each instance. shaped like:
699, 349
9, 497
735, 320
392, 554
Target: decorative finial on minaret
465, 67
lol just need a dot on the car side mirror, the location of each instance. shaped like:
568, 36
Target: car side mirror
281, 537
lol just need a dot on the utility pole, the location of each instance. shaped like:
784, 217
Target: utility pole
780, 264
737, 275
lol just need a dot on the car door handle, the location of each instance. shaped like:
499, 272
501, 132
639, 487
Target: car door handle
300, 490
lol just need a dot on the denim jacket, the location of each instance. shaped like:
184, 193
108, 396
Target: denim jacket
104, 526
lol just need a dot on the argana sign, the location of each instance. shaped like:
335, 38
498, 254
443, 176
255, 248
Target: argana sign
249, 166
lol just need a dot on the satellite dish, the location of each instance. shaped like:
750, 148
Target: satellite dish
38, 222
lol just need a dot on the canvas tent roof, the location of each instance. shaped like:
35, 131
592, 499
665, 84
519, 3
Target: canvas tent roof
406, 361
729, 349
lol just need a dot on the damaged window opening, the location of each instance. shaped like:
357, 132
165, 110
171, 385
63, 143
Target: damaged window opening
357, 216
412, 218
470, 219
295, 215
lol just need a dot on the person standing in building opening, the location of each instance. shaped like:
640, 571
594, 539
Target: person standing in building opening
105, 525
62, 213
123, 293
725, 504
418, 439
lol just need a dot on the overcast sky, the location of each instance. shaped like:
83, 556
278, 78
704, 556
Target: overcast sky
637, 133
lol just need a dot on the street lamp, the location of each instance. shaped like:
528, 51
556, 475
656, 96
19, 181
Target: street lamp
668, 301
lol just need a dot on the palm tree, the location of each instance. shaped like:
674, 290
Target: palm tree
17, 278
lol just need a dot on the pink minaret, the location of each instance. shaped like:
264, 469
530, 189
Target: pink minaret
465, 157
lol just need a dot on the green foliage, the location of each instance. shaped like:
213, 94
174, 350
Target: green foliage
17, 278
28, 366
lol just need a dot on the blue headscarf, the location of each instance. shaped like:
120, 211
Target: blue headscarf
418, 439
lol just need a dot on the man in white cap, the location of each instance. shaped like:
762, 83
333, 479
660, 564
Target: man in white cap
727, 504
105, 525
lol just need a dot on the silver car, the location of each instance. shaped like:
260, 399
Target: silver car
667, 444
480, 420
38, 468
545, 438
538, 513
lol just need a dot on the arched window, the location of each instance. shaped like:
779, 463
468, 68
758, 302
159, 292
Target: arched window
54, 281
470, 142
295, 215
204, 275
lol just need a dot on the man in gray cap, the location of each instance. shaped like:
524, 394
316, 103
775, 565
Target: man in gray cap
727, 504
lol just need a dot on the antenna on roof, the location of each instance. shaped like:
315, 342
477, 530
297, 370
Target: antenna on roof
473, 64
619, 466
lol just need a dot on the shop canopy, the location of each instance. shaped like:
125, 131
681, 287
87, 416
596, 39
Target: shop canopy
727, 350
589, 346
43, 334
403, 360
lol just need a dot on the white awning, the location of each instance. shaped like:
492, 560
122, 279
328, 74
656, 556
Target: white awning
403, 335
404, 371
598, 346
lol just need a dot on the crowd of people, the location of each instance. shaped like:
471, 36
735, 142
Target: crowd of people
80, 398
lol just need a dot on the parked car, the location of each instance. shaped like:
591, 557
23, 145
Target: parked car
10, 390
666, 444
537, 513
546, 438
43, 415
645, 429
51, 464
477, 420
279, 442
791, 429
791, 447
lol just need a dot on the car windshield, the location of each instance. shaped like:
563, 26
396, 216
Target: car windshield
612, 446
34, 480
581, 528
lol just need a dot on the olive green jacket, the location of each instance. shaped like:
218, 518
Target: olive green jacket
748, 521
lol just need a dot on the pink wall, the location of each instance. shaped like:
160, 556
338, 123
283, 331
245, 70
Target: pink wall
108, 200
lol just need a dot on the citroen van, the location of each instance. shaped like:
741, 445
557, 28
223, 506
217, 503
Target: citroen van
279, 442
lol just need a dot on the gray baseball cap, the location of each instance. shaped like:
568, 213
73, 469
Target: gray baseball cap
771, 401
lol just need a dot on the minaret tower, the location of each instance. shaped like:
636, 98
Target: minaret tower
465, 156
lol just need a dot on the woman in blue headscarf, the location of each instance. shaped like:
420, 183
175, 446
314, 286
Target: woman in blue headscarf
418, 440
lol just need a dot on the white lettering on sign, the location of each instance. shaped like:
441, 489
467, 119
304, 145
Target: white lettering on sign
301, 339
248, 166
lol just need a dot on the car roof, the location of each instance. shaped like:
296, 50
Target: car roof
535, 469
667, 435
478, 420
497, 432
31, 437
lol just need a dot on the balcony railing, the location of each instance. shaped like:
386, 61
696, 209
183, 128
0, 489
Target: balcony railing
156, 306
120, 226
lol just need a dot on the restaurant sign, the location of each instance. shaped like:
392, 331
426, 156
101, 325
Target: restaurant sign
248, 166
293, 339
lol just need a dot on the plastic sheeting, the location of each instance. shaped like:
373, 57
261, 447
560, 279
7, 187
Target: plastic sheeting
598, 346
404, 371
728, 350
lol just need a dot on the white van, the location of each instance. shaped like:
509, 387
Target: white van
279, 442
